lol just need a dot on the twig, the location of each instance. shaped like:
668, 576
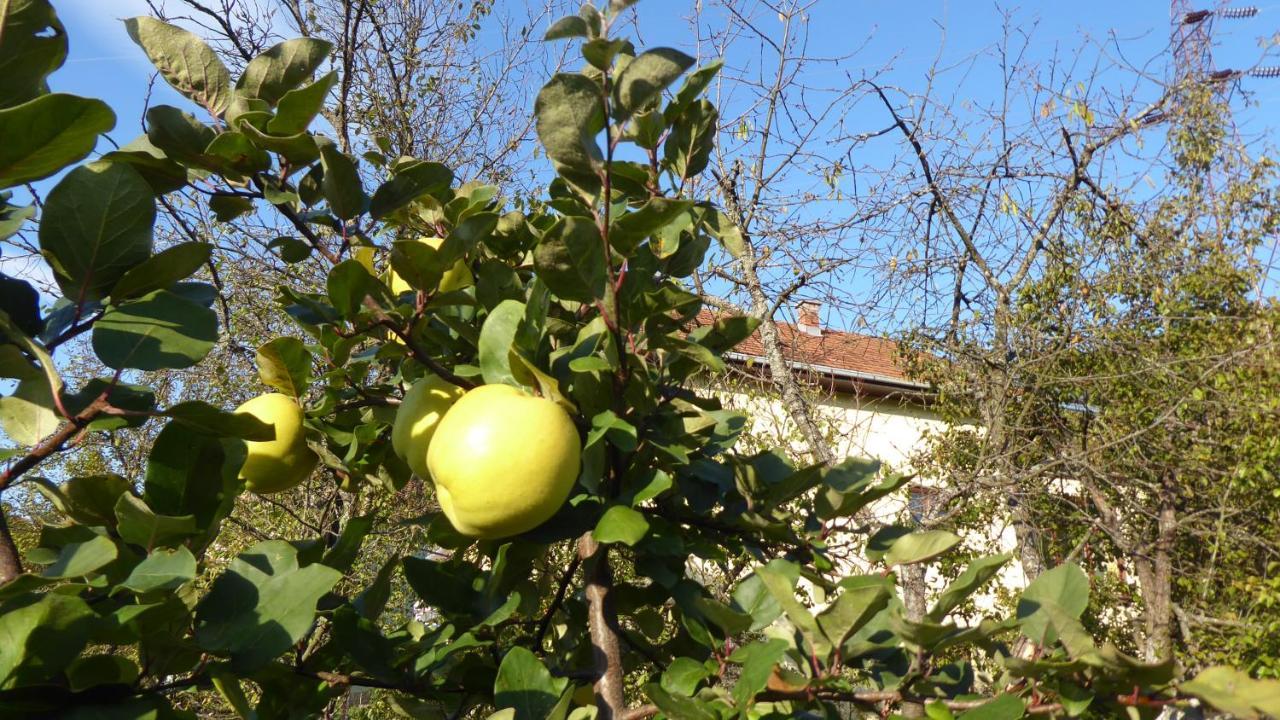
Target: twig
545, 623
10, 561
419, 353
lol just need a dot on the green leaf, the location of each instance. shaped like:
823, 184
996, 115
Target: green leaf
162, 270
619, 432
602, 51
631, 229
936, 710
46, 134
349, 283
159, 331
727, 232
570, 259
209, 420
496, 338
693, 351
525, 685
291, 250
694, 84
976, 574
229, 207
753, 598
341, 182
849, 488
299, 150
687, 151
96, 225
447, 586
134, 398
13, 218
730, 621
27, 416
569, 115
683, 675
185, 62
88, 500
282, 68
39, 639
920, 546
21, 303
1005, 707
299, 107
594, 19
193, 473
94, 670
163, 569
139, 525
567, 27
261, 605
344, 552
1234, 692
645, 77
33, 43
161, 173
882, 540
780, 583
245, 110
179, 135
77, 560
1064, 588
758, 660
726, 333
857, 603
677, 706
410, 181
285, 364
621, 524
234, 155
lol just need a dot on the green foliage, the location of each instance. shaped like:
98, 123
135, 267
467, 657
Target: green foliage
1128, 388
99, 227
59, 130
133, 604
32, 45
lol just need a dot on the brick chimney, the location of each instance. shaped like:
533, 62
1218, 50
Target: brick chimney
808, 313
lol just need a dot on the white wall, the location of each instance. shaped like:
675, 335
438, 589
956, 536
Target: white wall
885, 429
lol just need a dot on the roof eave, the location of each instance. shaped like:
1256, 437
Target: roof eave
839, 373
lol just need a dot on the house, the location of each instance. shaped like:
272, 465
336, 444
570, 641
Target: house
860, 391
865, 403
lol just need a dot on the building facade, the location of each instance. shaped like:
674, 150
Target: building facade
867, 406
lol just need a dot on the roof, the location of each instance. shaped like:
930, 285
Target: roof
839, 354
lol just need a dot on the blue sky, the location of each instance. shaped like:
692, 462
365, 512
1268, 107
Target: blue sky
104, 63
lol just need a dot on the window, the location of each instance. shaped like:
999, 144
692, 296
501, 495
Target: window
922, 503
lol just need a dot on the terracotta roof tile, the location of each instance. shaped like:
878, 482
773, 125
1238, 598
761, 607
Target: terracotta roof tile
850, 352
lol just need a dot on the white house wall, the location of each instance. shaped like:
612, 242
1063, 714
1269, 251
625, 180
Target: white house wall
884, 429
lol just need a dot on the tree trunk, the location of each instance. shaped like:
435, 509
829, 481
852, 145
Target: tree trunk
915, 602
1028, 538
779, 371
1158, 599
10, 562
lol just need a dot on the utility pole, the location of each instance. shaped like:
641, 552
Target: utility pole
1191, 39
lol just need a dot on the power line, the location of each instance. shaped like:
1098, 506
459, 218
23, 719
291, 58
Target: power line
1191, 38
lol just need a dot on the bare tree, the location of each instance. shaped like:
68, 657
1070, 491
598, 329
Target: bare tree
782, 170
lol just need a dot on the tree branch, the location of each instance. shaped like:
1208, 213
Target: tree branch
610, 703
